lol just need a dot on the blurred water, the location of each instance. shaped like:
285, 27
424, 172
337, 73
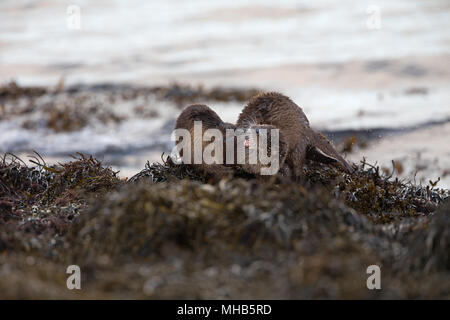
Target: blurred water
172, 37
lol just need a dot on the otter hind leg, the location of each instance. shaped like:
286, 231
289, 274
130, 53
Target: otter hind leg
320, 142
318, 155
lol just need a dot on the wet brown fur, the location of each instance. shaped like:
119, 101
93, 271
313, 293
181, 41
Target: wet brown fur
210, 119
281, 152
302, 142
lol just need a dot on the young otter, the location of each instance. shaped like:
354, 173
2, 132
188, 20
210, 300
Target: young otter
301, 141
261, 155
209, 120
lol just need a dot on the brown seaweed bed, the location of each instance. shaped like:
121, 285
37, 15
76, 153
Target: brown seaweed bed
169, 232
71, 108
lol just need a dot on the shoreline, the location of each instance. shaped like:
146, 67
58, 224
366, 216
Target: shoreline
127, 103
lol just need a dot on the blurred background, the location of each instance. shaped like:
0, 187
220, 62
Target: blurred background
109, 77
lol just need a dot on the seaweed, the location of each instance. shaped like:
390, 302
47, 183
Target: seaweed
183, 94
13, 91
78, 179
172, 231
39, 203
376, 194
66, 109
368, 190
166, 170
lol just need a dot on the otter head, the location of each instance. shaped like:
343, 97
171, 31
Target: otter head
260, 149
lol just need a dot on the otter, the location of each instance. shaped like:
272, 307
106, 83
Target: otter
299, 139
209, 120
253, 137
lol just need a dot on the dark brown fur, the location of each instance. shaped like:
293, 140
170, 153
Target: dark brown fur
209, 119
302, 141
280, 154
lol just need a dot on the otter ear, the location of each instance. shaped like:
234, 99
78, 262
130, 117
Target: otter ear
318, 155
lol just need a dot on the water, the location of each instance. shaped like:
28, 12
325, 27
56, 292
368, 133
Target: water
173, 37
